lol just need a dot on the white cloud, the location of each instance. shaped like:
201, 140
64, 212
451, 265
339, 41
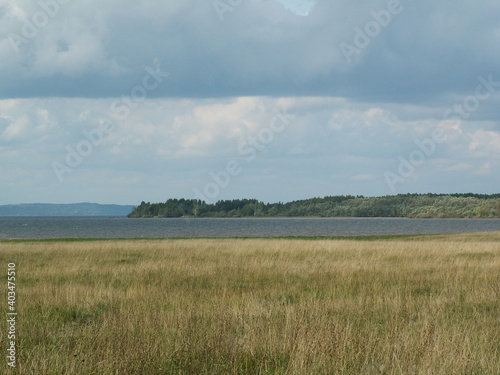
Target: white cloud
183, 140
485, 169
298, 7
485, 144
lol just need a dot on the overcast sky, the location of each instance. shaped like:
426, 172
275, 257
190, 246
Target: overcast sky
120, 101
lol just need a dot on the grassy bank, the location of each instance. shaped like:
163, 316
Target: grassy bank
421, 305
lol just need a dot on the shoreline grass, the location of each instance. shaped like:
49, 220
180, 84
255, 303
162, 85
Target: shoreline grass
478, 235
313, 238
411, 305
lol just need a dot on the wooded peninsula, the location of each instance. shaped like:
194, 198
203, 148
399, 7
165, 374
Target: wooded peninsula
467, 205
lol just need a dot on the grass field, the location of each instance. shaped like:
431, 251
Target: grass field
416, 305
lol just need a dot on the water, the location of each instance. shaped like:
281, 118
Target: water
121, 227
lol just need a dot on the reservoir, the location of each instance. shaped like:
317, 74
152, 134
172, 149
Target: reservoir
122, 227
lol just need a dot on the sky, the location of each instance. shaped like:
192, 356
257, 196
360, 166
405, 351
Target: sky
124, 101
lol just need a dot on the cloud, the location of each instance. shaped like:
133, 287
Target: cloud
68, 67
485, 144
96, 49
299, 7
167, 147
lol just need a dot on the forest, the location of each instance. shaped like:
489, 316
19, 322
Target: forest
458, 205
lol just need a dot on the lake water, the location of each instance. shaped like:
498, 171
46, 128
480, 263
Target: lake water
122, 227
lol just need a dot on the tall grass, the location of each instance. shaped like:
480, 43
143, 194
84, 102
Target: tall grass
427, 305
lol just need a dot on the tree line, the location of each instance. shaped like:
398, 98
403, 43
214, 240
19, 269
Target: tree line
457, 205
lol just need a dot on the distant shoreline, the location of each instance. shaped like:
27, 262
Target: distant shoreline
64, 210
421, 206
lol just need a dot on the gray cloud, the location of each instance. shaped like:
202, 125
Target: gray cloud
95, 49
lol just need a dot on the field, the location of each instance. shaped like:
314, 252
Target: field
404, 305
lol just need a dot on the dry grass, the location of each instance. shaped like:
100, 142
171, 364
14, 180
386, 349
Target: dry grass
426, 305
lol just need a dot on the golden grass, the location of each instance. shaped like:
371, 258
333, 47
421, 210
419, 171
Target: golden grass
425, 305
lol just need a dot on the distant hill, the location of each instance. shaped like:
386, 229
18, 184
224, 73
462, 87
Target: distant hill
74, 209
466, 205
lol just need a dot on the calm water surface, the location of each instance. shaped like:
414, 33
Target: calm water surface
122, 227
